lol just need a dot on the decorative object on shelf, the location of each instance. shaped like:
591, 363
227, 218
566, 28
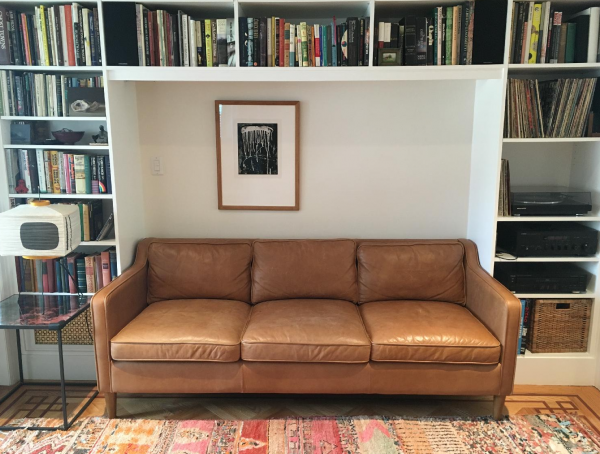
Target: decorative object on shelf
68, 136
39, 230
258, 154
86, 102
389, 57
28, 132
101, 138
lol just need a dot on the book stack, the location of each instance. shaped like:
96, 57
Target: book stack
272, 41
43, 95
166, 39
62, 35
553, 108
86, 273
91, 218
541, 34
504, 194
444, 38
55, 172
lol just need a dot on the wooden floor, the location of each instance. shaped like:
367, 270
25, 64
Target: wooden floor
36, 401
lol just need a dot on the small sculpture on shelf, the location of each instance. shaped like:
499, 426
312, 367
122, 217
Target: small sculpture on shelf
101, 138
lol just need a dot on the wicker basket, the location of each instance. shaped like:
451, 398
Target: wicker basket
560, 325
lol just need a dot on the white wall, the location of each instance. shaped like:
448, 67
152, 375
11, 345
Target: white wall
377, 160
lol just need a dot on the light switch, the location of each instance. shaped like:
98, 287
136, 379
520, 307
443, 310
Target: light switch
157, 166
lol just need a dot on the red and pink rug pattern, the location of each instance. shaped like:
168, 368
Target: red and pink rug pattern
348, 435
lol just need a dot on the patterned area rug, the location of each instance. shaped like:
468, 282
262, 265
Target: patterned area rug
515, 435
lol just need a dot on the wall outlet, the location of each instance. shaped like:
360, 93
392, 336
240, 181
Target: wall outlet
157, 166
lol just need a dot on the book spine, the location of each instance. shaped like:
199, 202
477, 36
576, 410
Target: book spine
361, 42
89, 274
464, 33
250, 42
41, 174
470, 30
281, 49
304, 38
55, 172
82, 45
113, 264
317, 46
353, 40
456, 25
213, 32
94, 175
139, 11
367, 53
292, 45
4, 37
231, 58
449, 28
105, 258
61, 172
221, 42
535, 32
67, 173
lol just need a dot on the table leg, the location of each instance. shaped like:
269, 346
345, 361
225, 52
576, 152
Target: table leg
19, 355
63, 391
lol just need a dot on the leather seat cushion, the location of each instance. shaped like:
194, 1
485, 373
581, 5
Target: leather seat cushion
320, 331
417, 271
184, 330
428, 332
296, 269
210, 270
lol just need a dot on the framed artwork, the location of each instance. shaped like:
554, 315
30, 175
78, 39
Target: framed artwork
389, 57
258, 151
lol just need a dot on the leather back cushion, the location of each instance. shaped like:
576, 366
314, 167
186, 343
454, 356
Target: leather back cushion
304, 269
428, 272
199, 270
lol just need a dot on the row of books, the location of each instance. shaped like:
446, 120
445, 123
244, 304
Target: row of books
272, 41
44, 95
524, 325
553, 108
91, 218
504, 193
540, 34
444, 38
166, 39
56, 172
62, 35
86, 273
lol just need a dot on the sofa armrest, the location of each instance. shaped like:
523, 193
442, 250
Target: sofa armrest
497, 308
114, 307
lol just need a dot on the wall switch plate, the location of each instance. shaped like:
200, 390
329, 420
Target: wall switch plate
156, 166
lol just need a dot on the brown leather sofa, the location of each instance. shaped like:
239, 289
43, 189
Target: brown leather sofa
306, 316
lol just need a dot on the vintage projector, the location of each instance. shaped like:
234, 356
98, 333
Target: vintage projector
39, 230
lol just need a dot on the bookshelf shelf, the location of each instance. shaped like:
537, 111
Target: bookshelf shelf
61, 196
554, 140
590, 218
58, 147
65, 294
101, 243
52, 69
589, 294
13, 118
572, 69
338, 74
549, 259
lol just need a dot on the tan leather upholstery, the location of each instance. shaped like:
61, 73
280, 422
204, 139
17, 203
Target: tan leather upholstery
417, 271
321, 331
499, 311
184, 330
304, 269
306, 335
427, 332
217, 271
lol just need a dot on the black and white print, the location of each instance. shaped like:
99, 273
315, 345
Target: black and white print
257, 149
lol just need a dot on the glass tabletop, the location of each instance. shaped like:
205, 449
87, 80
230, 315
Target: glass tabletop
41, 311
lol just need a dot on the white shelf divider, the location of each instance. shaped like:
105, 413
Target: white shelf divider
59, 147
548, 259
19, 118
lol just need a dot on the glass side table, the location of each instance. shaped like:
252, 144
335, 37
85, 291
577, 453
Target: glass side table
50, 312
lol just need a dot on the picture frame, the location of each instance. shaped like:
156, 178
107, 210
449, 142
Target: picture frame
258, 155
389, 57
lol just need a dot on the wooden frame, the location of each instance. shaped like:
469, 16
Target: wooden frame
296, 205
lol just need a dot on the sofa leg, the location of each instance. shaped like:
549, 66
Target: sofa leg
111, 405
499, 407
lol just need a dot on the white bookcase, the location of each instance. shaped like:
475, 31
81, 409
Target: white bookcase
149, 114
